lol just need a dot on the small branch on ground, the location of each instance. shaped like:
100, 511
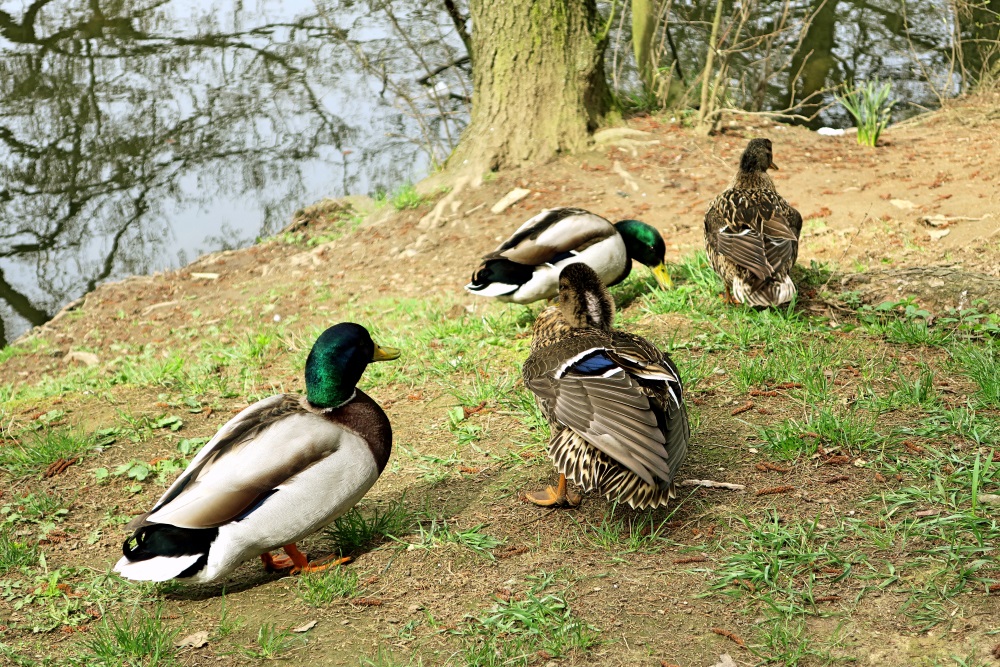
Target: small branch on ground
710, 484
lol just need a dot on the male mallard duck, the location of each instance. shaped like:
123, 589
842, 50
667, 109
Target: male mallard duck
526, 266
279, 470
614, 401
752, 234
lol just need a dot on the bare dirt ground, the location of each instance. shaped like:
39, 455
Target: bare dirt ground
926, 197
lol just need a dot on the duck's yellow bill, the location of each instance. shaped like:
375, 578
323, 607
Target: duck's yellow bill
774, 166
663, 276
385, 353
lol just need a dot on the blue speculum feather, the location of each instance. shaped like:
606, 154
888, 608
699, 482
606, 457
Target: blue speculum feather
596, 363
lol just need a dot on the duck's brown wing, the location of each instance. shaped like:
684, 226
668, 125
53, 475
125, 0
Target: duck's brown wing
587, 388
661, 382
753, 230
781, 235
553, 234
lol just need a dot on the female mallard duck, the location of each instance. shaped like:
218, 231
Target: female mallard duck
281, 469
526, 266
614, 401
752, 234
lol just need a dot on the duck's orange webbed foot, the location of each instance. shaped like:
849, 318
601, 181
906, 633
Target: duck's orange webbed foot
322, 564
560, 496
728, 298
298, 561
275, 563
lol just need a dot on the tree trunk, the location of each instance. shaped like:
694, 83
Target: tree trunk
538, 80
644, 15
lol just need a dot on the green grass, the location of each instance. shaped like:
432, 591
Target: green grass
851, 431
439, 533
782, 562
321, 588
517, 631
137, 638
627, 532
15, 554
981, 364
870, 105
406, 197
272, 643
356, 531
35, 451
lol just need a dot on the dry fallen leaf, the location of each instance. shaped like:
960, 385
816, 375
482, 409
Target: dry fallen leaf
196, 640
305, 628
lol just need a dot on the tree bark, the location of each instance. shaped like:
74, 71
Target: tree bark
644, 15
539, 87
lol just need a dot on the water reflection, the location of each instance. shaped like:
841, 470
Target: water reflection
134, 135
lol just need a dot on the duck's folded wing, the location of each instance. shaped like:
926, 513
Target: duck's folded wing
593, 395
264, 447
553, 235
781, 242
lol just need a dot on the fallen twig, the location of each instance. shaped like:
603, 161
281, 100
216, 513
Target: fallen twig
710, 484
743, 408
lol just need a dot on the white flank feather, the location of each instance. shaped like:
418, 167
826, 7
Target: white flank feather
160, 568
492, 289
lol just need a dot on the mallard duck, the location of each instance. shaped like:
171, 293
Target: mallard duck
525, 268
615, 402
752, 234
279, 470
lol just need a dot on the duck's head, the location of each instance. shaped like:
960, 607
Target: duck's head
583, 299
757, 156
337, 360
645, 245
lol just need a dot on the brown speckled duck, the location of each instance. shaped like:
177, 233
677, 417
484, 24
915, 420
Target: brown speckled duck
615, 401
752, 234
278, 471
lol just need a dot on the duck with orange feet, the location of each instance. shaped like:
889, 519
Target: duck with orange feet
278, 471
614, 400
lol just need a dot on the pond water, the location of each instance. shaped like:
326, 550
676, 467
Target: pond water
136, 135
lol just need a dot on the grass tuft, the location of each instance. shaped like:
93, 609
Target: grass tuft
136, 639
981, 364
37, 451
515, 632
272, 643
354, 531
871, 107
15, 555
322, 588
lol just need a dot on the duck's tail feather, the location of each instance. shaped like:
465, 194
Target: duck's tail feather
771, 292
159, 552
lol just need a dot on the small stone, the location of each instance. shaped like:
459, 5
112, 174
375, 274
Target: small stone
86, 358
989, 498
904, 204
938, 234
196, 640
